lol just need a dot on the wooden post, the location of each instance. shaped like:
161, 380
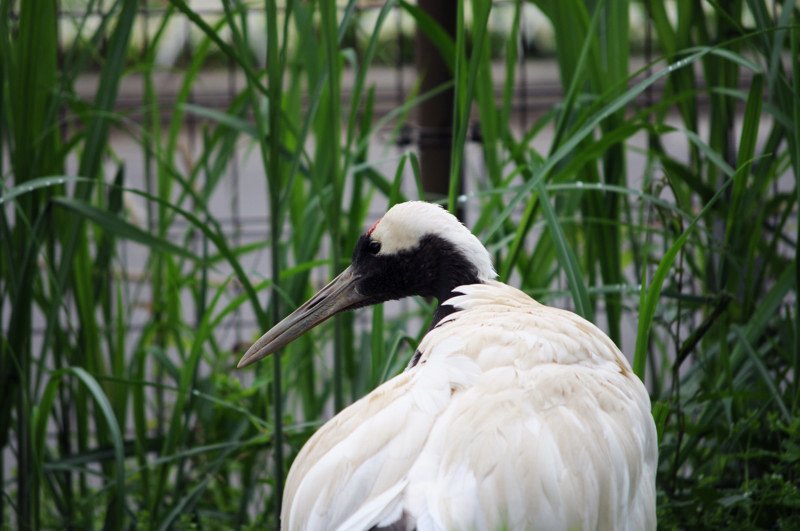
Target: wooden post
435, 115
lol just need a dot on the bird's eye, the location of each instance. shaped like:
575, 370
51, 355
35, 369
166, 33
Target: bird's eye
374, 247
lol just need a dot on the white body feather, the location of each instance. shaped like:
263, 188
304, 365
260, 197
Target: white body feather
517, 416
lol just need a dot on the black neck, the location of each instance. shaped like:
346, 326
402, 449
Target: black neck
434, 268
442, 311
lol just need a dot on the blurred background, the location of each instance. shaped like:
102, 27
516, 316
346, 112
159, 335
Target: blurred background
179, 175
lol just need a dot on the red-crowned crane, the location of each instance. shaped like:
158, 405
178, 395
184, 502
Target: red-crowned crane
510, 415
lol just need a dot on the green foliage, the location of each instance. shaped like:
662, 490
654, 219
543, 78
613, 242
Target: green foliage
751, 484
686, 257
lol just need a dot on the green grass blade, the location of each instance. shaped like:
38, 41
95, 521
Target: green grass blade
466, 78
570, 144
115, 515
433, 31
225, 47
649, 296
108, 87
123, 229
766, 377
566, 257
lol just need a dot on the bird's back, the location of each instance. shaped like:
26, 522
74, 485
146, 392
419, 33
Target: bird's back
516, 416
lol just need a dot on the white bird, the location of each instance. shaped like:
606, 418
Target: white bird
510, 415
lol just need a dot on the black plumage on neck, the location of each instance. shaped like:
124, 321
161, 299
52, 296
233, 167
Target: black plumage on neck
432, 268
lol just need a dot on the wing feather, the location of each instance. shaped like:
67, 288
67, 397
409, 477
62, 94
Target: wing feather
367, 450
510, 455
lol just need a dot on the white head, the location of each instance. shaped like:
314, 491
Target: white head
415, 249
404, 226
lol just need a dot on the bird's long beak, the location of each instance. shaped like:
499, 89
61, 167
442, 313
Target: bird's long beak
339, 295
